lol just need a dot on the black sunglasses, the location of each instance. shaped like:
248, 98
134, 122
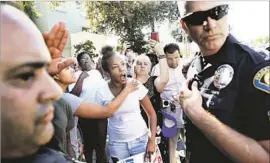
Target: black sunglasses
197, 18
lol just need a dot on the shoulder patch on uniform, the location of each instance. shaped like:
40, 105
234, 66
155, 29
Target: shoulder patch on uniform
261, 79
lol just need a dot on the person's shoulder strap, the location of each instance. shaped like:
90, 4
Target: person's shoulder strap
204, 74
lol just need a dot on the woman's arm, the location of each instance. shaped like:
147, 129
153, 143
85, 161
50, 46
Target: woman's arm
77, 89
91, 110
150, 111
148, 108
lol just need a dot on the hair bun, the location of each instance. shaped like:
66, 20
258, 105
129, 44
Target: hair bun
106, 50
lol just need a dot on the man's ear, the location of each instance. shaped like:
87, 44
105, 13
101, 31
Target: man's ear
184, 26
56, 77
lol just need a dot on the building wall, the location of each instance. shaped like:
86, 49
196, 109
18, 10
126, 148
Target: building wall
73, 17
98, 40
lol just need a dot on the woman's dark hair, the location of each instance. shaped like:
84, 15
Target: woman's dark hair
107, 52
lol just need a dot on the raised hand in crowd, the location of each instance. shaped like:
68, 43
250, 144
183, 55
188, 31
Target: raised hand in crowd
157, 47
56, 41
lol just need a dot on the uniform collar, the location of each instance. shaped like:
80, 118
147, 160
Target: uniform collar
226, 54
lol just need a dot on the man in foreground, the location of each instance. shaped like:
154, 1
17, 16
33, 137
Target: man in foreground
27, 89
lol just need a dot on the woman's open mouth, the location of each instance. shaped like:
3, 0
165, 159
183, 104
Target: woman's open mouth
123, 77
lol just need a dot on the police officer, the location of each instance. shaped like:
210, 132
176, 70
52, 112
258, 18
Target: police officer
227, 103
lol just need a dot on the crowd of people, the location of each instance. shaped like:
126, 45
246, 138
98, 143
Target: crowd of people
60, 110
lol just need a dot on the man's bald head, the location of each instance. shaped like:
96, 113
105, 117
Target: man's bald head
19, 32
11, 14
27, 90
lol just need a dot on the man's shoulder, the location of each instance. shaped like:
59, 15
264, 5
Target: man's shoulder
240, 53
47, 155
260, 77
44, 155
250, 53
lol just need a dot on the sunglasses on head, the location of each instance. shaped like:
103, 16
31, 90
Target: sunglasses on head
197, 18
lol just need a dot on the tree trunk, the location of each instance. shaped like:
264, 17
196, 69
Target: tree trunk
153, 25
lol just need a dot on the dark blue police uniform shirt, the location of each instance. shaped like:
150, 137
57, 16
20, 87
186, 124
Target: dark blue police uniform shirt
244, 104
44, 155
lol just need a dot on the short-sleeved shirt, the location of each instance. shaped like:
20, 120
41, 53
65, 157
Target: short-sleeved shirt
176, 79
90, 85
231, 94
63, 122
126, 124
43, 155
74, 102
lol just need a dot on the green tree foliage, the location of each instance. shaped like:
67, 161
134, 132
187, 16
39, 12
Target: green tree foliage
262, 40
87, 47
177, 33
54, 4
127, 18
30, 9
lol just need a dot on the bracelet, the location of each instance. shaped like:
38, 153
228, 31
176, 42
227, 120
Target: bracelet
161, 56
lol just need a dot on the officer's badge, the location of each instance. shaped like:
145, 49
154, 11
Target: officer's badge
223, 76
261, 80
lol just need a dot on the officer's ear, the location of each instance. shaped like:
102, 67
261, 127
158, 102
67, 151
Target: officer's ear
184, 26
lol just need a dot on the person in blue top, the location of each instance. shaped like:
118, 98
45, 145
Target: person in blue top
227, 99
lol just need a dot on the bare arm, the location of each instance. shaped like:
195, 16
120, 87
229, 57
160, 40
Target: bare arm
148, 107
161, 81
91, 110
151, 114
238, 147
77, 90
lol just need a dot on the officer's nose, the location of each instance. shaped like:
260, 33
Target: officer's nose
210, 24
